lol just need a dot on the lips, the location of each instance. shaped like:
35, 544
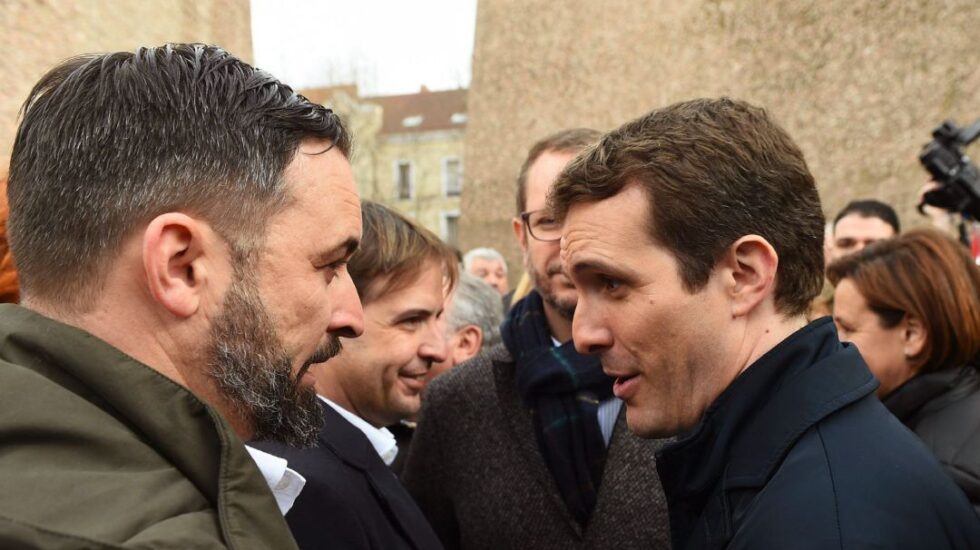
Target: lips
626, 386
413, 380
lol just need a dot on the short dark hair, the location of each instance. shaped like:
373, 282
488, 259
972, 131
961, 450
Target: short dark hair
713, 171
393, 250
927, 274
565, 141
109, 141
870, 208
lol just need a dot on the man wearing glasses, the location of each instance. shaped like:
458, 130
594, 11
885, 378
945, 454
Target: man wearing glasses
526, 446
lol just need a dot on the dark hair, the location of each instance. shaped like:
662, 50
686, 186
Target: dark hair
393, 251
713, 171
109, 141
565, 141
870, 208
930, 276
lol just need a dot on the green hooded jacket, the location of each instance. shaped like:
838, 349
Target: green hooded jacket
98, 450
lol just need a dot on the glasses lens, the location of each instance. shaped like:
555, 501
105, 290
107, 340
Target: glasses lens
543, 227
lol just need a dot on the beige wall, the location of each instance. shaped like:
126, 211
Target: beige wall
36, 34
426, 151
859, 85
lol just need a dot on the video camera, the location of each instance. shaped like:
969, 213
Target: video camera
957, 176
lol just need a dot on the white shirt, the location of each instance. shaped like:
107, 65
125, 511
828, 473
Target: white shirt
381, 439
608, 410
285, 482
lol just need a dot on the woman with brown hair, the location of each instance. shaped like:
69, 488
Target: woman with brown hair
912, 306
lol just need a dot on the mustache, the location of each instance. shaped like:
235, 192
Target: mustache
331, 348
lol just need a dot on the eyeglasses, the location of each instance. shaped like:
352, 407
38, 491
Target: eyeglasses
541, 225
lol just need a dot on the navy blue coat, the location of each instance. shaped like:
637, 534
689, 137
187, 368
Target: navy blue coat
799, 453
351, 500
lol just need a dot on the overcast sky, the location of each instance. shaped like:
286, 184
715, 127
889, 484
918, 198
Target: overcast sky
385, 46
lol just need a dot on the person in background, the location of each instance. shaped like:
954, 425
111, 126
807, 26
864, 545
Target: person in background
693, 236
857, 225
180, 221
403, 274
473, 315
9, 289
525, 445
911, 305
472, 324
489, 265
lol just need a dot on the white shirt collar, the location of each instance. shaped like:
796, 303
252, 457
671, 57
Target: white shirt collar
285, 482
381, 439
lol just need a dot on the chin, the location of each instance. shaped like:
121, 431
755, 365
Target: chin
648, 426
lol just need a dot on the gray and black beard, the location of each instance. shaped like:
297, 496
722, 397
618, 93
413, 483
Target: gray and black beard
252, 370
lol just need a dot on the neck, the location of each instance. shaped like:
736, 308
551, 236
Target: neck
561, 328
764, 334
132, 331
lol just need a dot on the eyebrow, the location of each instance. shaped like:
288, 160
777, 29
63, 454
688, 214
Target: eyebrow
349, 247
417, 312
583, 266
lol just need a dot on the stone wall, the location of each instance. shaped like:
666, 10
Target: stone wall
37, 34
859, 85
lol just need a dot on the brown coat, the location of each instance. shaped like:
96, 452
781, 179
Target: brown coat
475, 470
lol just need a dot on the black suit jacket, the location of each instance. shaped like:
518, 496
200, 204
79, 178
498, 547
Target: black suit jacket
351, 499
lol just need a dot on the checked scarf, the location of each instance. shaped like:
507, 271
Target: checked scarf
562, 389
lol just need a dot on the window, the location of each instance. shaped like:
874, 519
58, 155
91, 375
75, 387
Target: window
403, 179
450, 228
452, 177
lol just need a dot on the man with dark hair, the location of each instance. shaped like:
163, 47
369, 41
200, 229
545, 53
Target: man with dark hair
180, 222
693, 236
351, 499
525, 445
859, 224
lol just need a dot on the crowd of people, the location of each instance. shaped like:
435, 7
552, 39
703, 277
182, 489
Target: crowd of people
211, 341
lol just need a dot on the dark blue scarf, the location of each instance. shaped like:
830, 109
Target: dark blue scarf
562, 389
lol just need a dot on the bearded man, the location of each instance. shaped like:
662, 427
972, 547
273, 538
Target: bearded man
180, 222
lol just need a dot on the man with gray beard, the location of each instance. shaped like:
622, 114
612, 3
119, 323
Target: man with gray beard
181, 223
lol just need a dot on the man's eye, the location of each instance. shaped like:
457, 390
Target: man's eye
545, 222
609, 284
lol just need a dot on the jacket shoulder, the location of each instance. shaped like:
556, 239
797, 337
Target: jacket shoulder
858, 477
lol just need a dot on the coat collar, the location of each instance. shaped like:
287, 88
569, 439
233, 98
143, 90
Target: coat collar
746, 432
184, 430
352, 447
931, 391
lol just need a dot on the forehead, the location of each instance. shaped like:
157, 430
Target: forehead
484, 263
848, 300
607, 228
542, 176
858, 226
424, 288
322, 186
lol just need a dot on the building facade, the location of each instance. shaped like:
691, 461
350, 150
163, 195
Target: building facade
36, 35
859, 86
408, 151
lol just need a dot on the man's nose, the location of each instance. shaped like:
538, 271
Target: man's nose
590, 333
435, 346
347, 319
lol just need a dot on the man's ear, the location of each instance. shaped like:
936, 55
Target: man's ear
175, 248
750, 267
519, 233
469, 339
914, 336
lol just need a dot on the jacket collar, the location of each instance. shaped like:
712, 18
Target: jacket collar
187, 432
746, 432
932, 390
